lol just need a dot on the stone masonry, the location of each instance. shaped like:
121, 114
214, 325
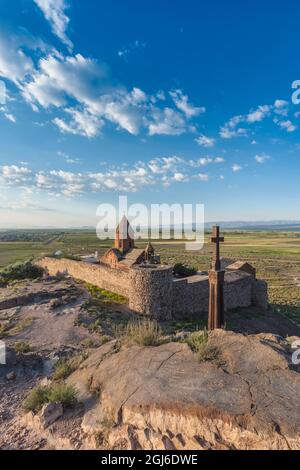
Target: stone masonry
152, 290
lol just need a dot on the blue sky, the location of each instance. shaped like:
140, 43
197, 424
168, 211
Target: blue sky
166, 102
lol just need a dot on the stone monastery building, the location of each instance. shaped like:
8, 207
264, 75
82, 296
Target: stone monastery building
151, 288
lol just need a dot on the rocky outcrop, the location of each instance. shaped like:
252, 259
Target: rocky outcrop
164, 398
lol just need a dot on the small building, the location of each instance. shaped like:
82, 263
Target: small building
242, 266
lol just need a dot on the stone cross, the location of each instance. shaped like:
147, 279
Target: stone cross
216, 277
216, 239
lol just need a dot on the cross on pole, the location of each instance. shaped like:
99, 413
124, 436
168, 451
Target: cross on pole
216, 239
216, 279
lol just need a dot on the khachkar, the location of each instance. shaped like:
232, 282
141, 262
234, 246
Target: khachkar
216, 276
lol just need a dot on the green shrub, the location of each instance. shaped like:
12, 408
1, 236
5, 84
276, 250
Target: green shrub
143, 333
182, 270
36, 399
40, 396
22, 347
19, 271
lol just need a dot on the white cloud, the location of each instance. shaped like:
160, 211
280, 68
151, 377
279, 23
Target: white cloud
202, 176
236, 168
259, 114
67, 158
54, 12
168, 122
59, 77
81, 123
9, 116
280, 107
160, 171
14, 64
14, 174
179, 177
262, 158
205, 141
88, 82
286, 125
82, 90
182, 103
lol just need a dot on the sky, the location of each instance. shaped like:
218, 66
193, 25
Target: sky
164, 102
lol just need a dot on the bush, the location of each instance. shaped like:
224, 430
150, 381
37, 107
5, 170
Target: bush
20, 271
143, 333
183, 270
40, 396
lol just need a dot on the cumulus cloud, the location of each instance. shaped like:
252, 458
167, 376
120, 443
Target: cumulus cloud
168, 122
160, 171
82, 123
14, 64
14, 174
54, 12
83, 96
205, 141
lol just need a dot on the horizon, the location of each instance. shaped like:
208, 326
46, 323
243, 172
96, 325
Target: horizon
98, 103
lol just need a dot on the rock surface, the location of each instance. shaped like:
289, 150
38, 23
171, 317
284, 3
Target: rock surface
50, 413
163, 398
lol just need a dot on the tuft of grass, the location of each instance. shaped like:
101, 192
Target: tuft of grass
89, 343
142, 333
197, 340
65, 367
59, 393
22, 347
199, 344
209, 353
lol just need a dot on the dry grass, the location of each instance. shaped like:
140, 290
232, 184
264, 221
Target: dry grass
199, 342
142, 333
65, 367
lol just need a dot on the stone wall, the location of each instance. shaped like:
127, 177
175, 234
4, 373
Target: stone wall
151, 291
260, 294
191, 295
96, 274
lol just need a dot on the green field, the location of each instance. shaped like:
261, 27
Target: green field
276, 256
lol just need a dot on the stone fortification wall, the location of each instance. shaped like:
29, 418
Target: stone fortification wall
99, 275
151, 291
